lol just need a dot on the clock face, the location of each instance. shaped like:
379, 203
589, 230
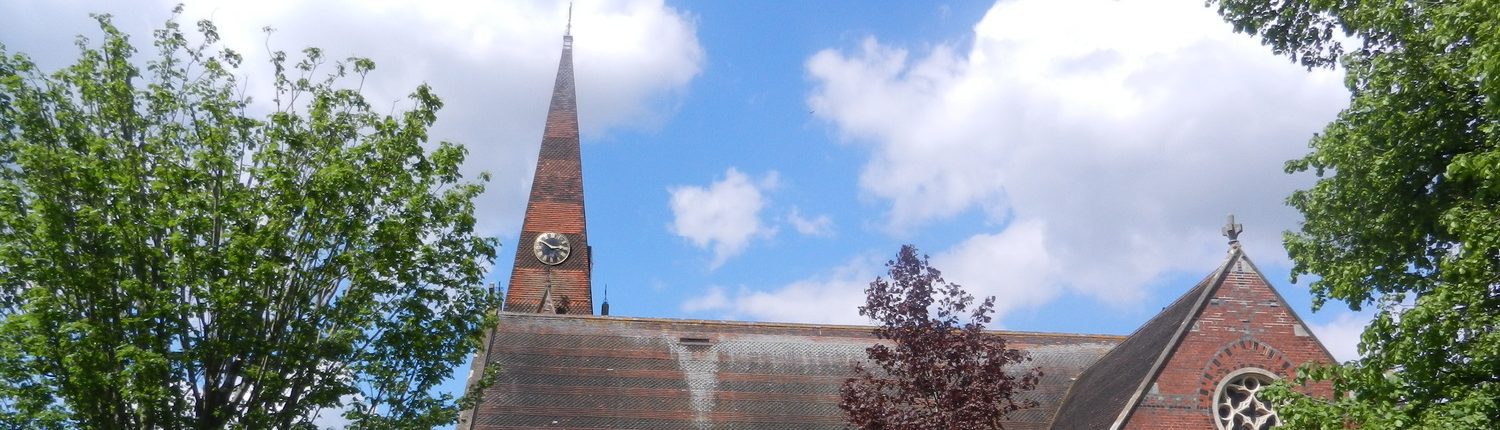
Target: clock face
551, 248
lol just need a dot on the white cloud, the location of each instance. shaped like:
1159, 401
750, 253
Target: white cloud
820, 225
1012, 265
1118, 133
715, 299
1009, 265
1341, 335
833, 297
333, 418
724, 216
493, 63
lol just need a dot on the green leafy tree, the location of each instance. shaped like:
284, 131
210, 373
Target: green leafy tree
939, 372
169, 260
1404, 218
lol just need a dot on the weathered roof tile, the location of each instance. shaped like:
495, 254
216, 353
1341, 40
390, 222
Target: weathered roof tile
567, 371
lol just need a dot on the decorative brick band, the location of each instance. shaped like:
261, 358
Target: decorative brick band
1244, 353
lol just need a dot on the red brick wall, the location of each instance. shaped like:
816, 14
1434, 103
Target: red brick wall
1244, 325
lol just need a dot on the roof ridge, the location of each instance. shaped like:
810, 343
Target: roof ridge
1206, 279
784, 324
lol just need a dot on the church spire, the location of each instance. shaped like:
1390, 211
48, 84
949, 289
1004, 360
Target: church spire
553, 259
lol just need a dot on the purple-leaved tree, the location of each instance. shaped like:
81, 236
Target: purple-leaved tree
937, 371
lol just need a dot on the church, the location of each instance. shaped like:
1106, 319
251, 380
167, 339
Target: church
1199, 364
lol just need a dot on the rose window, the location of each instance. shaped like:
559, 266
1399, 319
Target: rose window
1238, 404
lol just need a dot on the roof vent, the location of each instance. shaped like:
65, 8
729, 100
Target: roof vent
694, 341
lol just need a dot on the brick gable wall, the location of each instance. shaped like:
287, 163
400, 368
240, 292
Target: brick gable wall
1245, 324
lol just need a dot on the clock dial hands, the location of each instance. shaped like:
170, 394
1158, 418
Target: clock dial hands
551, 248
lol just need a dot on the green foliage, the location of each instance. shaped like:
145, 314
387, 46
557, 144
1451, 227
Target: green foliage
169, 260
1405, 215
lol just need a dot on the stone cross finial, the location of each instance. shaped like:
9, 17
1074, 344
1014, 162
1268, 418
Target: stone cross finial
1232, 231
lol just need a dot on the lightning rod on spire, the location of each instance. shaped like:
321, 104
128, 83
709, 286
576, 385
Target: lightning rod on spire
604, 310
569, 31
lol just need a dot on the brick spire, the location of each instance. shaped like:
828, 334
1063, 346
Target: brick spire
555, 206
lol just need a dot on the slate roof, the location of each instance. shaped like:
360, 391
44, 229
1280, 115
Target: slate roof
573, 371
576, 371
1108, 390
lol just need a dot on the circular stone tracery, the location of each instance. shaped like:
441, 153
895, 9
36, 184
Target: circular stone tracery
1238, 405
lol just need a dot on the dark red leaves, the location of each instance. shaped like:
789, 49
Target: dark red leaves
937, 371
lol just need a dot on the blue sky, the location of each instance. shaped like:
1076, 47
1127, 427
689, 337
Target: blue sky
761, 161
